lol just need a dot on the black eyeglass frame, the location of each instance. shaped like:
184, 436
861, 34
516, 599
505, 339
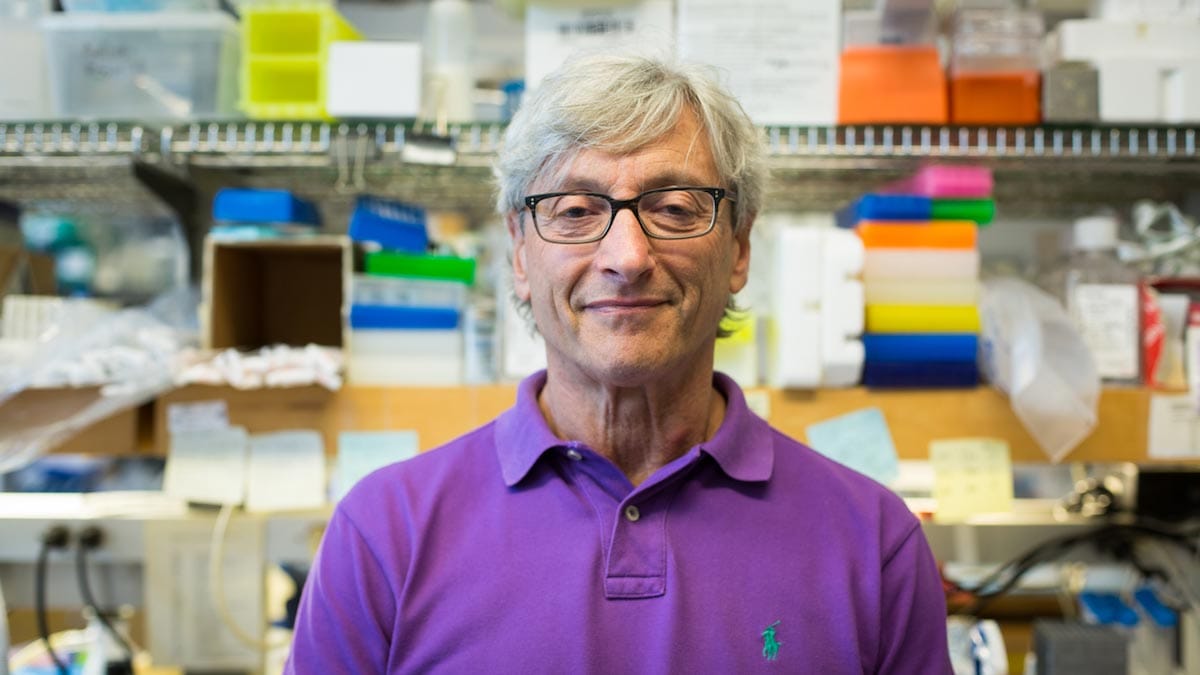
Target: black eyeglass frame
616, 205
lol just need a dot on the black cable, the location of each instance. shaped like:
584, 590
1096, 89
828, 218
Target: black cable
55, 537
1111, 535
89, 538
227, 7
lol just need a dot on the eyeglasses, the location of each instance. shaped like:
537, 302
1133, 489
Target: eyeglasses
665, 213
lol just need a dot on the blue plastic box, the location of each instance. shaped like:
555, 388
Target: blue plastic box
249, 205
394, 226
398, 317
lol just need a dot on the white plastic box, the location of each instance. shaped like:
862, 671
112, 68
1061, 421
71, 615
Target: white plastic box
374, 79
1094, 39
1149, 90
23, 93
406, 357
142, 66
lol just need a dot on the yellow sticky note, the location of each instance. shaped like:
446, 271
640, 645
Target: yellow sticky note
971, 476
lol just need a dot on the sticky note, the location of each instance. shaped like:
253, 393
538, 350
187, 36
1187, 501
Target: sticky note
361, 452
207, 467
860, 440
197, 416
1174, 427
971, 476
286, 471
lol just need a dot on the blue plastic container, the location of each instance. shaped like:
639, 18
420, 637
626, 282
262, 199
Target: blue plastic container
927, 347
394, 226
397, 317
920, 374
1107, 609
249, 205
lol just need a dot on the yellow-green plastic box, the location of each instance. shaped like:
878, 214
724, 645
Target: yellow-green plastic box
284, 51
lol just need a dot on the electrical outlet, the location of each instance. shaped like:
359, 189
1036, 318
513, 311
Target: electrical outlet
182, 624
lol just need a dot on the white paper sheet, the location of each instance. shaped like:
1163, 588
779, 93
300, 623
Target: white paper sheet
207, 467
1174, 427
286, 471
552, 33
780, 56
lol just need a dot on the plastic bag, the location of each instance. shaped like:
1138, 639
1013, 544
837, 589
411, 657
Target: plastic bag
99, 364
1033, 353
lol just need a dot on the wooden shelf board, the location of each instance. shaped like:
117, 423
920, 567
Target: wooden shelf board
915, 417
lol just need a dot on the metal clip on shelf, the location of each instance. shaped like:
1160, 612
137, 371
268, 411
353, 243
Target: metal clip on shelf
71, 138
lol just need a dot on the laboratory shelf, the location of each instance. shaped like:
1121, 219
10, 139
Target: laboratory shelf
915, 417
84, 139
473, 143
1088, 143
813, 168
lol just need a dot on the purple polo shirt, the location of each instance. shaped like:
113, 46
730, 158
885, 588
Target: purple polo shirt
512, 551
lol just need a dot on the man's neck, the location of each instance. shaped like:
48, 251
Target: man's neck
639, 428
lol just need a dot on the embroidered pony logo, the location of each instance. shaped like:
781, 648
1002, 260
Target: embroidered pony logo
770, 644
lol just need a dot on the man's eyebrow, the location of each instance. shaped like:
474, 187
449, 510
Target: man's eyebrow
667, 179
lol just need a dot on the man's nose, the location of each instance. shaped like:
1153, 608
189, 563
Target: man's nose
625, 250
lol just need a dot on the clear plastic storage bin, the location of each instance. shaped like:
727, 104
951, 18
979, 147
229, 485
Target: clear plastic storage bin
392, 291
116, 6
142, 66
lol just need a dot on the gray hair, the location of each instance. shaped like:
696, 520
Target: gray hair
620, 103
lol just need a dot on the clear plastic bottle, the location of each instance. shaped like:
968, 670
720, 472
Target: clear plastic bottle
1101, 294
449, 77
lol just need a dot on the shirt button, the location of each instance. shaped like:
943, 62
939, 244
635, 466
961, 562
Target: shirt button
632, 513
574, 454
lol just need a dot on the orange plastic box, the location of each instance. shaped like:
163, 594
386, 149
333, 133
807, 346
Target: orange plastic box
888, 84
995, 97
908, 234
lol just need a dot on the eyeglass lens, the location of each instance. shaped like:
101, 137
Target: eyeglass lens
665, 213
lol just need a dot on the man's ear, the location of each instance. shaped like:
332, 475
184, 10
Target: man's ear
516, 236
741, 256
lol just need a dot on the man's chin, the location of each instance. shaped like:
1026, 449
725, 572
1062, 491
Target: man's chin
631, 369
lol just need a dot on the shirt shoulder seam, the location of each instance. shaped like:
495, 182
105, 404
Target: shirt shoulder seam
913, 528
374, 555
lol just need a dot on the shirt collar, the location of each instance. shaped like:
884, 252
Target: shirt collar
742, 446
522, 434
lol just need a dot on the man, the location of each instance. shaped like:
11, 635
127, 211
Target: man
629, 514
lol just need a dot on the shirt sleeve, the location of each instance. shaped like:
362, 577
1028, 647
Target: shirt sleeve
913, 620
347, 608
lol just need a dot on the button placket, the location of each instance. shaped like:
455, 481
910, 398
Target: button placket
636, 565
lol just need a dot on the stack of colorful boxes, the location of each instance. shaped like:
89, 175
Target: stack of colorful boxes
921, 277
406, 311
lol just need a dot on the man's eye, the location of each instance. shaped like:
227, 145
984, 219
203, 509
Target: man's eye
575, 212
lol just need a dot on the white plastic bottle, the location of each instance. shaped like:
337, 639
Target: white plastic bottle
1102, 297
449, 77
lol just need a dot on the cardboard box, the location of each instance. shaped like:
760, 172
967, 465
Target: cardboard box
421, 409
32, 409
281, 291
25, 271
258, 410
